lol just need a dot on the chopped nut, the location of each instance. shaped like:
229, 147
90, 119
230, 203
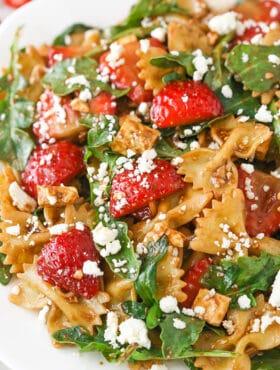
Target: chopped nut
269, 75
56, 196
78, 275
134, 135
215, 307
21, 199
79, 105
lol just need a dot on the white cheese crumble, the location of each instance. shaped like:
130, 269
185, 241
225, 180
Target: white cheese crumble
144, 45
227, 91
249, 168
168, 304
245, 58
111, 331
179, 324
21, 199
85, 95
102, 235
159, 33
244, 302
58, 229
274, 298
13, 230
201, 65
134, 331
221, 6
264, 114
91, 268
224, 23
274, 59
77, 80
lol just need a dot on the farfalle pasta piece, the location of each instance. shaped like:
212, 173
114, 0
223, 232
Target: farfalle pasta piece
189, 36
152, 75
221, 230
78, 311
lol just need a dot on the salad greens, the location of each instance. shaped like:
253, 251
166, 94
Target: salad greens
61, 40
5, 275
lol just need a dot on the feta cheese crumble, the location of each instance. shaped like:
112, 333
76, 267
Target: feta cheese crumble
91, 268
274, 298
224, 23
264, 114
168, 304
134, 331
244, 302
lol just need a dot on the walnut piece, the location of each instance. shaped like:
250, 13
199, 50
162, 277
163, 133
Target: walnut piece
57, 196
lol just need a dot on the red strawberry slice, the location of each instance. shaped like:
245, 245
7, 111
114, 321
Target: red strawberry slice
62, 259
104, 103
132, 190
184, 102
53, 164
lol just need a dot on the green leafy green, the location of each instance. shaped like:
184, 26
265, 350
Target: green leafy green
269, 360
254, 73
176, 341
189, 362
16, 115
74, 74
60, 40
87, 342
5, 275
146, 285
146, 8
247, 276
275, 124
220, 76
135, 309
173, 76
165, 150
183, 59
102, 129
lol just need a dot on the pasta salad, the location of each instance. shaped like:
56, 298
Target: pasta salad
140, 192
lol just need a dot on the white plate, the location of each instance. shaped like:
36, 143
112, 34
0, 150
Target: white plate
24, 341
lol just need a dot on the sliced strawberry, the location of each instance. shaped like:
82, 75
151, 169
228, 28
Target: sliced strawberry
260, 11
123, 72
262, 205
56, 118
249, 34
58, 53
184, 102
54, 164
16, 3
62, 259
192, 279
104, 103
133, 189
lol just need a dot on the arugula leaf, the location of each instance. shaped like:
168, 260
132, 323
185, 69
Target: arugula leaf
269, 360
248, 275
253, 74
60, 40
219, 76
146, 285
135, 309
176, 341
5, 275
86, 342
146, 8
102, 129
166, 151
63, 82
183, 59
275, 124
16, 114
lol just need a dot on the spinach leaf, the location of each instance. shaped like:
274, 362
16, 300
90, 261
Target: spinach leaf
60, 40
146, 8
259, 73
189, 362
220, 76
172, 76
16, 114
74, 74
275, 124
269, 360
183, 59
176, 341
86, 342
5, 275
145, 285
102, 129
248, 275
166, 151
135, 309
